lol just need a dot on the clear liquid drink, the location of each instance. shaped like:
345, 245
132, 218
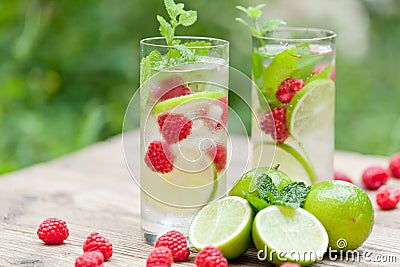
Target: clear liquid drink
294, 73
183, 117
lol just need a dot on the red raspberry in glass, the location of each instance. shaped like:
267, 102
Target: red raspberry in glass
274, 123
159, 157
287, 89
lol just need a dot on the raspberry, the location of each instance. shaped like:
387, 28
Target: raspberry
374, 177
176, 242
53, 231
160, 257
177, 91
174, 127
96, 242
288, 88
90, 259
290, 264
341, 176
394, 165
396, 194
168, 88
385, 200
218, 154
210, 256
159, 157
274, 123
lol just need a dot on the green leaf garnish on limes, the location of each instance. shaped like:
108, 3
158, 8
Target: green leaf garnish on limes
176, 101
225, 224
311, 108
286, 234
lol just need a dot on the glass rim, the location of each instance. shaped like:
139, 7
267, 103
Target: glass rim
330, 34
224, 43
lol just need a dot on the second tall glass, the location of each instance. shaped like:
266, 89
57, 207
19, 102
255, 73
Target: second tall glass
294, 70
183, 117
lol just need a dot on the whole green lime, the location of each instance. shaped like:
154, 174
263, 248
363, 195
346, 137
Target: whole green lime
345, 210
246, 186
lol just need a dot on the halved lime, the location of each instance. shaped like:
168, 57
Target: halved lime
286, 234
311, 108
291, 162
176, 101
225, 224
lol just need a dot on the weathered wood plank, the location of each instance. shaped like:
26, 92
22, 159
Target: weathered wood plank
92, 191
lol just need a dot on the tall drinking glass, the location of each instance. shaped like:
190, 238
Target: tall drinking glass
183, 117
294, 70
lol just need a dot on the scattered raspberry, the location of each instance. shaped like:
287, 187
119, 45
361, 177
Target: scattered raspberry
290, 264
385, 199
90, 259
218, 153
210, 256
274, 123
53, 231
159, 157
342, 177
396, 194
177, 243
174, 127
288, 88
394, 165
96, 242
374, 177
160, 257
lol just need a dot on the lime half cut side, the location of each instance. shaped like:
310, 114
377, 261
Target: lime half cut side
311, 108
176, 101
225, 224
290, 160
286, 234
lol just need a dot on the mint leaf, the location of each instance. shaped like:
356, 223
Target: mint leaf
293, 195
186, 53
171, 8
187, 18
155, 58
198, 49
145, 69
165, 29
271, 24
257, 65
267, 189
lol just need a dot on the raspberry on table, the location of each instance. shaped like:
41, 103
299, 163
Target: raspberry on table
174, 127
159, 157
385, 199
160, 257
274, 123
290, 264
218, 153
337, 175
396, 194
210, 256
374, 177
96, 242
177, 243
53, 231
90, 259
287, 89
394, 165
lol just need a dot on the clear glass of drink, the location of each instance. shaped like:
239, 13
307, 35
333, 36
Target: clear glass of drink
183, 119
294, 73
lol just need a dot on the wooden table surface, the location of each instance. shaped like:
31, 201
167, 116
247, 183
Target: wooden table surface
92, 190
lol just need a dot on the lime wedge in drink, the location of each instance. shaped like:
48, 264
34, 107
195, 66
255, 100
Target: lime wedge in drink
286, 234
225, 224
311, 108
291, 162
176, 101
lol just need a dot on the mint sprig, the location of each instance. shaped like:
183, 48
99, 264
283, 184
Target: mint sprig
254, 13
293, 195
178, 16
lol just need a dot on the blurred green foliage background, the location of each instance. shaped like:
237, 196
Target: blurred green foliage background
69, 68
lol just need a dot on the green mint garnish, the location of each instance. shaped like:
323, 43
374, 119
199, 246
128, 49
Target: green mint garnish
293, 195
178, 16
254, 13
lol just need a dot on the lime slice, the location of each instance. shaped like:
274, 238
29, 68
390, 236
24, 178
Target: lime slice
176, 101
225, 224
291, 162
286, 234
311, 108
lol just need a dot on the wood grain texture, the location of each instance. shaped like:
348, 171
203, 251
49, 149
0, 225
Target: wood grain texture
93, 191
